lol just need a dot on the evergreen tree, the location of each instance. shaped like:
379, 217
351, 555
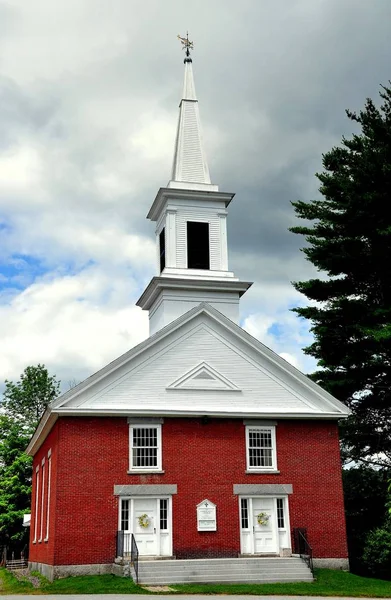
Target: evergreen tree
23, 405
349, 241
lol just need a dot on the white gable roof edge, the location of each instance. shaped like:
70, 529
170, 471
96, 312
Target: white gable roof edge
280, 362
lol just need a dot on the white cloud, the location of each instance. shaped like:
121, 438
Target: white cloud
73, 324
88, 106
19, 169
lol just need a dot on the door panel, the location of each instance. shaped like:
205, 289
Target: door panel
265, 534
146, 537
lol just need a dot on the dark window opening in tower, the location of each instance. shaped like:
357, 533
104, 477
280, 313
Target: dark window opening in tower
162, 247
197, 245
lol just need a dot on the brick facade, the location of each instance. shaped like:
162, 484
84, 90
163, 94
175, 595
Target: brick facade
90, 456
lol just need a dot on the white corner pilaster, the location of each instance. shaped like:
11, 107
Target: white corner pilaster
171, 237
223, 241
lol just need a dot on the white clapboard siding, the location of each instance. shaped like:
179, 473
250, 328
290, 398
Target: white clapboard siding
156, 377
145, 382
149, 384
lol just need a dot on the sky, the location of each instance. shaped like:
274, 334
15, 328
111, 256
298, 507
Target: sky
89, 94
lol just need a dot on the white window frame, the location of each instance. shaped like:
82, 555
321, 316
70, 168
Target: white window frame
146, 469
286, 530
48, 496
159, 532
42, 500
36, 504
273, 466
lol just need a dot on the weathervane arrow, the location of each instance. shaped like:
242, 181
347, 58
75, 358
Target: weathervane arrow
186, 45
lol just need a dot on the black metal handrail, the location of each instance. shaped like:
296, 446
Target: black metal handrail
134, 557
126, 547
303, 547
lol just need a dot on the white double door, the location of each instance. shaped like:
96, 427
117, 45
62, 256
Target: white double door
150, 522
259, 528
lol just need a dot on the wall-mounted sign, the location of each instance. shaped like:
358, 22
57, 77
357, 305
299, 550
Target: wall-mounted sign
206, 516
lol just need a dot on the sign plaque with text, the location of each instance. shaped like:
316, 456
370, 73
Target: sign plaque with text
206, 516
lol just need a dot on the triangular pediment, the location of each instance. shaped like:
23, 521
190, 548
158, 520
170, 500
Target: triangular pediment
145, 379
203, 377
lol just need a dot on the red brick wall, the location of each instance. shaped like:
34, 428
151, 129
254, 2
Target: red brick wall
204, 461
43, 551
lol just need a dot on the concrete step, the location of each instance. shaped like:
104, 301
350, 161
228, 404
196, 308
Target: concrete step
224, 572
225, 580
230, 570
263, 563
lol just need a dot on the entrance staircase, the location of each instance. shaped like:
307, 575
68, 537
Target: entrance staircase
223, 570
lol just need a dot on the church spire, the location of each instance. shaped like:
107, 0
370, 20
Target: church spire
191, 229
190, 168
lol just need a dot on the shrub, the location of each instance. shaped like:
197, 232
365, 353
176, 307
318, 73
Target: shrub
377, 553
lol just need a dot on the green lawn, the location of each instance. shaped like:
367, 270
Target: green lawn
328, 583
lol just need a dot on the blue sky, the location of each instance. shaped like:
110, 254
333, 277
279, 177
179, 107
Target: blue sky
89, 95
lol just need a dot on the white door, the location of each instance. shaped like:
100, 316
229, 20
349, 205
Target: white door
264, 523
145, 526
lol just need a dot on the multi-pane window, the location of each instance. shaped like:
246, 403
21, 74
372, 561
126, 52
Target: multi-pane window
280, 513
48, 497
244, 512
42, 500
36, 504
145, 448
261, 448
163, 514
125, 515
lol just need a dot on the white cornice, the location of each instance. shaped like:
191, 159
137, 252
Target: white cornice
197, 413
166, 194
159, 284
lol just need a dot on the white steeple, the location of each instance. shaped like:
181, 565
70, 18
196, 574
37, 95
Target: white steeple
190, 167
191, 229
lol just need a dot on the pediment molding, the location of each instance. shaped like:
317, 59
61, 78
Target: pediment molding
203, 377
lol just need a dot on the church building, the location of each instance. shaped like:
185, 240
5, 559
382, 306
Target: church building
200, 446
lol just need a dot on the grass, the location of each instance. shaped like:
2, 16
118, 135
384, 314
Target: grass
328, 583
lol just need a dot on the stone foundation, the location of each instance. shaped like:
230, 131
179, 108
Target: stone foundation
341, 564
58, 572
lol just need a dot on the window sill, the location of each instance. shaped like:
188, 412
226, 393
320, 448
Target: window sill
262, 472
155, 472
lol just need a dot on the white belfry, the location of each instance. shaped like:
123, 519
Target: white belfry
191, 229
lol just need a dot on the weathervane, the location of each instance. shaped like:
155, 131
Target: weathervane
186, 45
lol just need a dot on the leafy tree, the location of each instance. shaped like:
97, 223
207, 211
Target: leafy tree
26, 400
349, 241
23, 405
15, 481
377, 553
